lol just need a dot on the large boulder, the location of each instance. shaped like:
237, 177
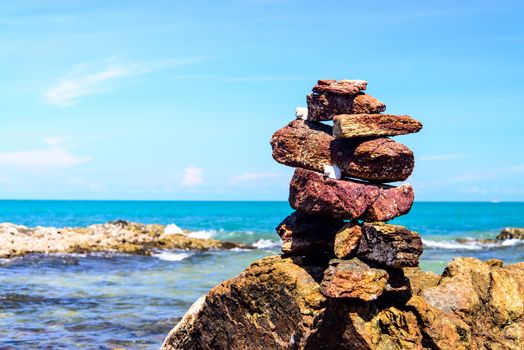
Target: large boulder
310, 145
276, 303
324, 106
312, 193
511, 233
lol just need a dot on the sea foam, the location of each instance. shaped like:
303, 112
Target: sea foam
172, 256
470, 244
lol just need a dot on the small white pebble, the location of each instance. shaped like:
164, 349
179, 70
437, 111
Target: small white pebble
332, 171
301, 113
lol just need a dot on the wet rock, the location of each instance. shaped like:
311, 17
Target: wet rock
304, 234
511, 233
353, 279
312, 193
276, 303
119, 236
389, 245
373, 125
324, 106
310, 145
347, 240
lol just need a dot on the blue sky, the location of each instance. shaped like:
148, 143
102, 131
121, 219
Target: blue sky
178, 99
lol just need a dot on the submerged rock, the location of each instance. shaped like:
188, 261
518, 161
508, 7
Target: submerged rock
312, 193
311, 145
277, 303
373, 125
117, 236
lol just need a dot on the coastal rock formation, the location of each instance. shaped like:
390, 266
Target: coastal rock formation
511, 233
277, 303
347, 240
373, 125
311, 193
118, 236
311, 145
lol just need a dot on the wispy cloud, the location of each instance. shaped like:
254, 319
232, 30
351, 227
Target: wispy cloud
54, 155
252, 176
441, 157
192, 176
101, 77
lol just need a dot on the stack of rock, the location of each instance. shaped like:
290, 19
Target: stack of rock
340, 194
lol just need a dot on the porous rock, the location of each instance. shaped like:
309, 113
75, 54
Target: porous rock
324, 106
373, 125
312, 193
347, 240
310, 145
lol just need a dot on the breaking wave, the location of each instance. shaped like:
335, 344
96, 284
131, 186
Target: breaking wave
471, 244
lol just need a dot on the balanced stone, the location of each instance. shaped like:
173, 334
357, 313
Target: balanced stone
304, 234
312, 193
347, 240
353, 279
366, 125
389, 245
310, 145
340, 87
324, 106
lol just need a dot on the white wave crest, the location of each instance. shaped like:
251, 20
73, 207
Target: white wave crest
172, 256
172, 229
203, 234
265, 243
471, 244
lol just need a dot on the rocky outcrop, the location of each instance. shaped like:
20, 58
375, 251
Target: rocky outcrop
312, 193
118, 236
310, 145
277, 303
373, 125
511, 233
340, 87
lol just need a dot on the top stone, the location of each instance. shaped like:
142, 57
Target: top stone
340, 87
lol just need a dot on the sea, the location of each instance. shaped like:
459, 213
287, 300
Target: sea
107, 301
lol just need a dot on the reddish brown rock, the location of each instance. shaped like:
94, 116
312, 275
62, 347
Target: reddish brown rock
372, 125
340, 87
310, 145
325, 106
312, 193
389, 245
353, 279
304, 234
347, 240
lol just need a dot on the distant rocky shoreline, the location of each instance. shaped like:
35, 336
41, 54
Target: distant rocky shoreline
116, 236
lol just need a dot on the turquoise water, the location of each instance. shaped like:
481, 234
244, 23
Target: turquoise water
104, 301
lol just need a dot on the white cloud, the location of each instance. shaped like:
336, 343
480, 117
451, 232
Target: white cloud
54, 155
99, 77
251, 176
441, 157
192, 177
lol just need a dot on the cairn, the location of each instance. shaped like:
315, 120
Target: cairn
340, 194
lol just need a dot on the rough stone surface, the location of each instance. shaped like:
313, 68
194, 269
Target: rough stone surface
326, 105
389, 245
373, 125
312, 193
117, 236
511, 233
347, 240
304, 234
276, 303
310, 145
340, 87
353, 279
